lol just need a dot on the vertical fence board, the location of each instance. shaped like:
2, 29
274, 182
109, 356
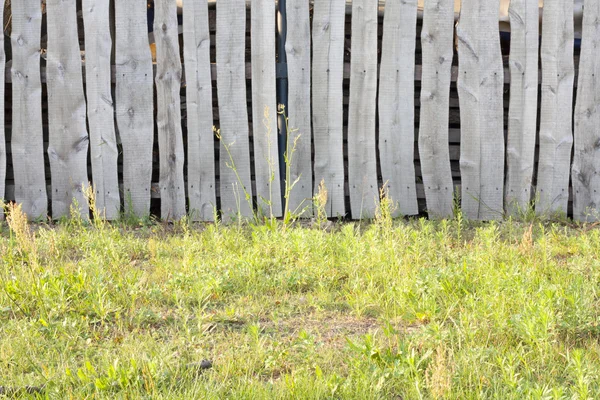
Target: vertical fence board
233, 111
480, 87
103, 142
3, 163
327, 100
168, 107
297, 49
362, 156
264, 107
437, 47
586, 162
522, 114
27, 142
68, 138
556, 137
134, 103
397, 104
200, 151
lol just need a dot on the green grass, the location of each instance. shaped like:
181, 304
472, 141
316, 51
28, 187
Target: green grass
401, 310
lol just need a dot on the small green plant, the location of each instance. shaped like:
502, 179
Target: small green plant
320, 205
385, 209
289, 215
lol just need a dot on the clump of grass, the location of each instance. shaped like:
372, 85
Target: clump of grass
320, 205
23, 236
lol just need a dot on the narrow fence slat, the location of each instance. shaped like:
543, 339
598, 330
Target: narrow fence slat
264, 107
522, 114
297, 48
397, 104
27, 142
556, 136
168, 107
362, 155
200, 151
3, 163
233, 112
100, 107
586, 162
327, 100
480, 87
134, 103
437, 46
68, 138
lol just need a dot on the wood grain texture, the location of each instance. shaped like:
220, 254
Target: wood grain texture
522, 114
27, 141
397, 104
233, 112
134, 103
297, 48
437, 47
168, 110
480, 84
586, 161
3, 162
68, 138
100, 107
556, 135
327, 100
264, 108
200, 144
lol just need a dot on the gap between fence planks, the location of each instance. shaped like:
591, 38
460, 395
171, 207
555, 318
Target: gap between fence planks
586, 162
27, 143
236, 186
134, 97
437, 46
522, 114
100, 107
397, 105
200, 150
556, 136
299, 149
480, 84
362, 153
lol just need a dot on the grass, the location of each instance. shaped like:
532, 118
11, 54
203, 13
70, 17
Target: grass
394, 309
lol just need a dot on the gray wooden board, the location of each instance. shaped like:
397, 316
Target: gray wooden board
200, 143
586, 162
100, 107
327, 101
134, 96
556, 135
234, 168
68, 138
27, 139
264, 108
397, 104
522, 115
168, 107
480, 86
3, 162
437, 47
297, 47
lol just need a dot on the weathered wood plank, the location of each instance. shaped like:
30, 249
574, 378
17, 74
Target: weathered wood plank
397, 104
362, 154
200, 143
586, 162
556, 136
27, 138
297, 47
264, 108
68, 138
100, 107
327, 100
3, 163
134, 103
522, 114
437, 47
168, 115
233, 113
480, 85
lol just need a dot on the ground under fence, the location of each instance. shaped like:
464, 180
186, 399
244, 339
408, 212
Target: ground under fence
392, 94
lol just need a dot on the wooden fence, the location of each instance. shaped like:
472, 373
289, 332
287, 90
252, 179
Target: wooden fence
403, 99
